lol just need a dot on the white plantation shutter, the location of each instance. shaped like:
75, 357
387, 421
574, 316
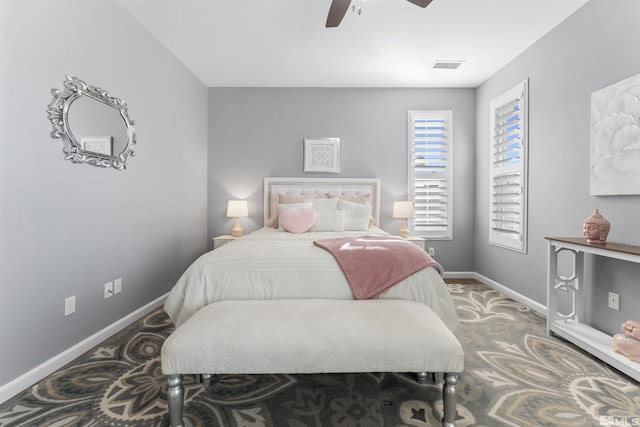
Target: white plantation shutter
509, 140
430, 173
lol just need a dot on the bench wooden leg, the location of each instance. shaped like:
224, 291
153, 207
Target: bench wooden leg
207, 379
421, 377
449, 400
175, 400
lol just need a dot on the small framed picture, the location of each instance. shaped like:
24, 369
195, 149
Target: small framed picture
98, 144
322, 155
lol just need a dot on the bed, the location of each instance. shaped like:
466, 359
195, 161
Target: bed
273, 263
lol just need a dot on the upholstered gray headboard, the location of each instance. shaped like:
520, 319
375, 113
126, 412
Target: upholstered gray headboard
336, 186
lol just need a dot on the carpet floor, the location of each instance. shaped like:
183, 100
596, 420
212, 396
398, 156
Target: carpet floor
515, 375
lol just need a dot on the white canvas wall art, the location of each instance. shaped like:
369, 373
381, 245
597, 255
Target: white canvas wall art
322, 155
615, 138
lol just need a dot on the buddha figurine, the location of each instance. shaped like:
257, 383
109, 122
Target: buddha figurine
631, 328
596, 228
627, 341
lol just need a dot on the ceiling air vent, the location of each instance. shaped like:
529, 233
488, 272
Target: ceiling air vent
446, 65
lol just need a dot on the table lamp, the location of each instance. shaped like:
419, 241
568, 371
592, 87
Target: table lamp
403, 210
237, 209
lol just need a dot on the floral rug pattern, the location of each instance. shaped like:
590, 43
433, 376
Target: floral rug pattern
515, 375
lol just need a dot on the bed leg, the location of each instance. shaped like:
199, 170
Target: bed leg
175, 400
449, 400
422, 377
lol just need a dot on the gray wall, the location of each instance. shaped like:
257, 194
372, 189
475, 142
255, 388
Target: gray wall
259, 132
593, 48
67, 229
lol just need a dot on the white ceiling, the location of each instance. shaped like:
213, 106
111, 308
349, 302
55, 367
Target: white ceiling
393, 43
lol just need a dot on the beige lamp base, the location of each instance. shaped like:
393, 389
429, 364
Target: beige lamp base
237, 231
403, 231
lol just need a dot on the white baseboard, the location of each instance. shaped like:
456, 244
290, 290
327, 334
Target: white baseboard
533, 305
12, 388
460, 275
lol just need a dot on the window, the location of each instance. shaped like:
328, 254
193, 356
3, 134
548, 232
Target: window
430, 173
509, 140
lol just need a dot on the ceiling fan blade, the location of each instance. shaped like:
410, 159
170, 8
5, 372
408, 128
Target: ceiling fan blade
421, 3
336, 12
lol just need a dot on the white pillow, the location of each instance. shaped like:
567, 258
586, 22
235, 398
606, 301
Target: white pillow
356, 216
282, 207
329, 221
323, 204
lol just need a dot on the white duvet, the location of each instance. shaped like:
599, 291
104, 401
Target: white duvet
271, 264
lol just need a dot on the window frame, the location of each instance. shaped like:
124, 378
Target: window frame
447, 116
502, 234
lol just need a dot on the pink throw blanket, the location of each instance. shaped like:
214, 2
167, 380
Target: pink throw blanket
372, 264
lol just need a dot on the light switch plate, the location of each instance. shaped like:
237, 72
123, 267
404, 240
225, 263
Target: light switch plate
108, 290
70, 305
614, 301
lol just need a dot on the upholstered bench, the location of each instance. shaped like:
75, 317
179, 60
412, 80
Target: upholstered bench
311, 336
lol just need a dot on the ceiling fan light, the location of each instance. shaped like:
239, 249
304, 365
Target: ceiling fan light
339, 7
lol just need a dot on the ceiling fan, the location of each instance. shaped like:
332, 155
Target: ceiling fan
339, 8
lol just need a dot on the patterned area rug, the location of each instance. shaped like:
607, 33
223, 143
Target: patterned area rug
514, 375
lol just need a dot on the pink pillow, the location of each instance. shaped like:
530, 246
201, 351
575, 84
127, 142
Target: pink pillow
298, 220
286, 199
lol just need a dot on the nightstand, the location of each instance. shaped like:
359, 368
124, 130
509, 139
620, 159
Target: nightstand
421, 242
222, 240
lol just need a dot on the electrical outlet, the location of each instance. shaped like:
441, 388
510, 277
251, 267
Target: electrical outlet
432, 251
70, 305
108, 290
117, 286
614, 301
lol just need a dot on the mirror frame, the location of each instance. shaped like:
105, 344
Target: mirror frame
58, 112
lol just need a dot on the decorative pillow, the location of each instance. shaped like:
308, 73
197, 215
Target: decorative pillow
298, 220
329, 221
272, 221
356, 216
286, 199
363, 199
284, 207
323, 204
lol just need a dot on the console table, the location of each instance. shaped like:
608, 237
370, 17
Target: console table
569, 326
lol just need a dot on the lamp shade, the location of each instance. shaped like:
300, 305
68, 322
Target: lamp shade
237, 208
403, 209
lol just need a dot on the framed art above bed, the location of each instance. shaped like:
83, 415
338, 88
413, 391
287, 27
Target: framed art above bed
322, 155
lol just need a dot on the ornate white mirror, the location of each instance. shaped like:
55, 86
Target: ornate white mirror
94, 126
